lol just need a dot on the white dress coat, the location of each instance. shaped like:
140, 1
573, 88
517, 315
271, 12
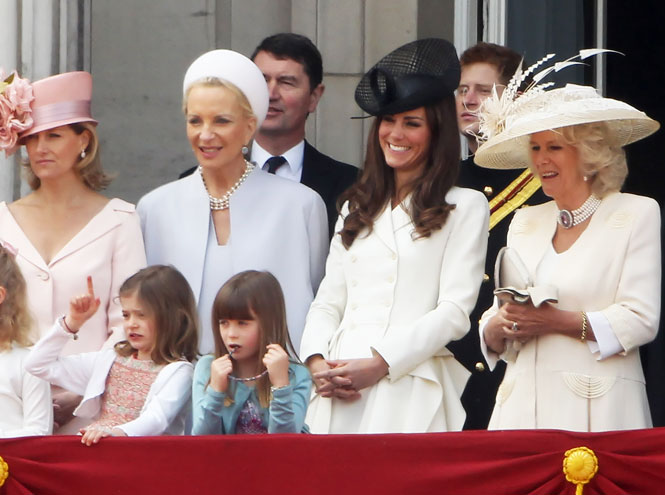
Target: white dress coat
276, 225
612, 268
407, 299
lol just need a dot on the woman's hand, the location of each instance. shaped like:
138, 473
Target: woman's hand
220, 369
91, 437
338, 387
276, 360
355, 374
522, 322
81, 308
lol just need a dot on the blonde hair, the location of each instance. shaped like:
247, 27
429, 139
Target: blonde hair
89, 168
169, 300
214, 82
254, 295
15, 319
601, 159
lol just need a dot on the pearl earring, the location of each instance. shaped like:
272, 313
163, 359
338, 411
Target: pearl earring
244, 150
82, 154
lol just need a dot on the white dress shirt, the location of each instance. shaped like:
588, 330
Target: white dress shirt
291, 170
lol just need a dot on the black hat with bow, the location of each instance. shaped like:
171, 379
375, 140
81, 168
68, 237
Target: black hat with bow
417, 74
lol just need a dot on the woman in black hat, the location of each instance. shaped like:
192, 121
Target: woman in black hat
405, 267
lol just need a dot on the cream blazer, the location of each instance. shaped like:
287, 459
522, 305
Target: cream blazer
406, 298
614, 268
109, 248
276, 225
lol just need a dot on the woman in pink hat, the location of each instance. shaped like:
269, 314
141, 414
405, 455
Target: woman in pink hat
65, 230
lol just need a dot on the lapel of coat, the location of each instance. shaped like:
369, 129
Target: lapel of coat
538, 230
314, 175
12, 230
383, 227
193, 209
100, 224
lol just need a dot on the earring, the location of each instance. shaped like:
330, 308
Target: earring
586, 178
82, 154
244, 150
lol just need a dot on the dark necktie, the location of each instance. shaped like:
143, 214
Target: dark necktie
274, 162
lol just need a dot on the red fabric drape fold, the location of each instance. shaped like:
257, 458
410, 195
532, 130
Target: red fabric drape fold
467, 463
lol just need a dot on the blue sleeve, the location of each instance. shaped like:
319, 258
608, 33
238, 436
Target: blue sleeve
207, 404
289, 404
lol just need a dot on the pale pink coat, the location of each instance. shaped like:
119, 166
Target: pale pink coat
109, 248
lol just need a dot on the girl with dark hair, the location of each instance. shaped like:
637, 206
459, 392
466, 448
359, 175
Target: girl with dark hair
141, 386
403, 273
254, 382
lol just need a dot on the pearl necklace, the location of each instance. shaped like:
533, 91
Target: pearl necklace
223, 202
568, 219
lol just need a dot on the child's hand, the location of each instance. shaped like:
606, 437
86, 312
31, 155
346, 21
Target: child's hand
220, 369
276, 360
81, 308
91, 437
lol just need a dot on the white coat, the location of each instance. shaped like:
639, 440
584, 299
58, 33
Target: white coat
612, 268
85, 374
276, 225
407, 299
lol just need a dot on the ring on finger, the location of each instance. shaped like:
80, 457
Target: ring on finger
515, 328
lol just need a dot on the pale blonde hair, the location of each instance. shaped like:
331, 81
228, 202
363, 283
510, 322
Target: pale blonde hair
601, 159
215, 82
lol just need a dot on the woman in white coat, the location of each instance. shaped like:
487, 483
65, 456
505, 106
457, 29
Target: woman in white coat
229, 216
404, 270
577, 365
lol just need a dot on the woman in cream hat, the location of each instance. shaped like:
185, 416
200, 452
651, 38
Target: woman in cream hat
404, 271
229, 216
65, 230
577, 365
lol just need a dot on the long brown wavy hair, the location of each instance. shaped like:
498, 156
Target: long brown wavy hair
15, 319
428, 208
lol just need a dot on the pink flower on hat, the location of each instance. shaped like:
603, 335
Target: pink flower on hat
15, 112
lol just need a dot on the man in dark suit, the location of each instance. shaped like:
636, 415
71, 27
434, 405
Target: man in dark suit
293, 70
483, 66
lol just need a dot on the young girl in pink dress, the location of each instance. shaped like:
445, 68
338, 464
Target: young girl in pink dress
25, 401
142, 385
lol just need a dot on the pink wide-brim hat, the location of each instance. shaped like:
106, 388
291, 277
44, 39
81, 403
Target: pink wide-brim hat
60, 100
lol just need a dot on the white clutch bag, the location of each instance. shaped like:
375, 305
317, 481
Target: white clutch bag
513, 283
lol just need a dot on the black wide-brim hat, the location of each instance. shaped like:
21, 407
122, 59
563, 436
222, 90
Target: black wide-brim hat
417, 74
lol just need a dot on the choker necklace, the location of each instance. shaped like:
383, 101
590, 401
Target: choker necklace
568, 219
223, 202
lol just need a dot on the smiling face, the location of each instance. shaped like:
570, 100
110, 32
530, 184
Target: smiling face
217, 125
139, 325
405, 140
241, 337
557, 165
476, 83
291, 97
54, 153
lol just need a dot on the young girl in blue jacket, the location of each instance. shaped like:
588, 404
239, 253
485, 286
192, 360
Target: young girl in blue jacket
253, 383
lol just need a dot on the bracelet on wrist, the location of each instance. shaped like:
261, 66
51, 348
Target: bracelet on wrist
585, 325
64, 325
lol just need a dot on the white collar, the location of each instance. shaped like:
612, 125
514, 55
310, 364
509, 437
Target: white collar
294, 156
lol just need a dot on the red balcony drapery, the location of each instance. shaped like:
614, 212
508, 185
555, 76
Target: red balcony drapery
473, 463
